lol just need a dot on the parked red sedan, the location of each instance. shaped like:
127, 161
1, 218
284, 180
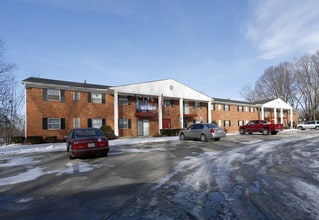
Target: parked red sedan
86, 141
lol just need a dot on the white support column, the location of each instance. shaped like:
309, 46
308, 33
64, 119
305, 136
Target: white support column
281, 116
262, 113
116, 113
275, 115
209, 118
181, 113
160, 112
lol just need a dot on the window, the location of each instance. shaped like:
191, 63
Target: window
240, 108
96, 97
123, 100
240, 123
197, 105
96, 122
168, 103
76, 123
213, 106
53, 95
227, 123
125, 123
53, 123
251, 109
76, 96
226, 107
219, 107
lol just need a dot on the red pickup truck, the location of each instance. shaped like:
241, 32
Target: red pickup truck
261, 126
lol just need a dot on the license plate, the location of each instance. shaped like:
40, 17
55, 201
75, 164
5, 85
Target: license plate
91, 144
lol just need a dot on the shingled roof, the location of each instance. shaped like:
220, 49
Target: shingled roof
41, 82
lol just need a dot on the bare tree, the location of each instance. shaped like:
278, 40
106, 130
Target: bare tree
8, 99
248, 93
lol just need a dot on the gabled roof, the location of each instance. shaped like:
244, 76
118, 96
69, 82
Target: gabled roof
276, 103
167, 88
41, 83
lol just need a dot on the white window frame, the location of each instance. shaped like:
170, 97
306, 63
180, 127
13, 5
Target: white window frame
76, 96
227, 108
123, 100
97, 122
167, 103
76, 123
96, 97
54, 123
197, 105
54, 94
227, 123
123, 123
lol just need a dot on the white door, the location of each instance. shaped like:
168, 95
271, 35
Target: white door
143, 128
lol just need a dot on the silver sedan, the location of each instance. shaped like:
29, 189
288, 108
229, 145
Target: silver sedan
203, 132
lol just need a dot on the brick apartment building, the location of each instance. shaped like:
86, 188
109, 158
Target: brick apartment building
232, 113
53, 107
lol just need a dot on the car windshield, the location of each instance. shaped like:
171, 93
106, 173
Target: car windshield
211, 125
87, 133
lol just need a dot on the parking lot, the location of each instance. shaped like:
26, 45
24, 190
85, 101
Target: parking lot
238, 177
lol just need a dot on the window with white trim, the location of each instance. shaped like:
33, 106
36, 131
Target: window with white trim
54, 123
197, 105
97, 122
96, 97
240, 108
54, 94
168, 103
76, 96
226, 107
123, 100
227, 123
251, 109
124, 123
76, 123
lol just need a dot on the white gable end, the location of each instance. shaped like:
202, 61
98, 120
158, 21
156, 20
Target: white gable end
167, 88
277, 103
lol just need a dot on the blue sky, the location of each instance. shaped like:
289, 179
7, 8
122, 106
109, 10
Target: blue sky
214, 46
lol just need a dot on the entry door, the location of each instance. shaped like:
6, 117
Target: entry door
143, 128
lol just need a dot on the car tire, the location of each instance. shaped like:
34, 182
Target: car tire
300, 128
217, 139
242, 131
182, 137
203, 138
67, 148
266, 131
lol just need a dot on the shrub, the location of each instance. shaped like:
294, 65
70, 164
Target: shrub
51, 139
170, 131
35, 139
18, 139
108, 132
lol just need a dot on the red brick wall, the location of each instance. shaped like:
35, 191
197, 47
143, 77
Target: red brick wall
37, 109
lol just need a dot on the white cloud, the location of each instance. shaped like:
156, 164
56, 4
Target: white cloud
280, 28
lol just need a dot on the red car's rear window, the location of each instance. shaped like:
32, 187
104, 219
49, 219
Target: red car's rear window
87, 133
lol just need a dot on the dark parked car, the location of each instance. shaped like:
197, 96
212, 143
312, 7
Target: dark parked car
86, 141
203, 132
